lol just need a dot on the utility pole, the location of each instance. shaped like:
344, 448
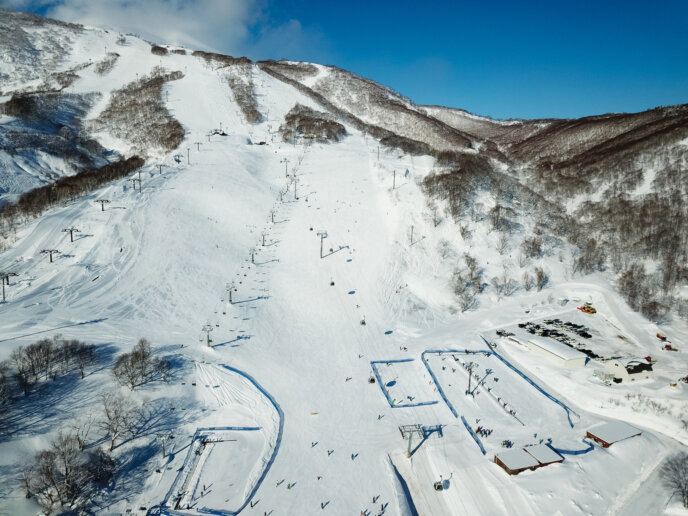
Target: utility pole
133, 180
102, 203
296, 198
71, 232
50, 252
160, 167
207, 329
198, 146
263, 235
322, 234
285, 161
470, 373
272, 216
6, 277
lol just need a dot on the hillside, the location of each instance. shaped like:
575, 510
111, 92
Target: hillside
317, 262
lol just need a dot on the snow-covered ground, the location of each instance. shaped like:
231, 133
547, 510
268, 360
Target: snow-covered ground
293, 425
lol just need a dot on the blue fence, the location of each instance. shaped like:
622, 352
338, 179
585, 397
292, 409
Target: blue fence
278, 442
384, 391
475, 437
590, 448
531, 382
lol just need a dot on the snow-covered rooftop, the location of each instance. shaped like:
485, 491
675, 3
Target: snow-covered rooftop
517, 458
615, 431
543, 453
557, 348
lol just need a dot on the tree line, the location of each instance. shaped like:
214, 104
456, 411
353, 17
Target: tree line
67, 474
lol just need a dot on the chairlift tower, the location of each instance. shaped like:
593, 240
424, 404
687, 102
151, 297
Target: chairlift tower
71, 230
6, 278
230, 287
285, 161
322, 234
207, 329
407, 432
50, 252
162, 438
102, 202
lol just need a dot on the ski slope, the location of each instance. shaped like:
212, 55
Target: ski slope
157, 263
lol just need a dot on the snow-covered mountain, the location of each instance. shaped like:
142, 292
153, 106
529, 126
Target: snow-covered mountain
371, 247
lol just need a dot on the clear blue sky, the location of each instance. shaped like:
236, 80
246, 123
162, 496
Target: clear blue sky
509, 58
505, 59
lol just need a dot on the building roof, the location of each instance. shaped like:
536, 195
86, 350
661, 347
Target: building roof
636, 365
544, 454
557, 348
614, 431
517, 458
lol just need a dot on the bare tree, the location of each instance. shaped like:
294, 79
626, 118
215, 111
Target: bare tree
139, 366
100, 466
118, 415
541, 278
675, 474
434, 213
81, 428
85, 356
502, 243
22, 371
468, 300
528, 281
5, 387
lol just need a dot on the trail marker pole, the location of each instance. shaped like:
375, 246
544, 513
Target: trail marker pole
253, 254
411, 234
50, 252
207, 329
102, 203
322, 234
394, 180
71, 233
188, 153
